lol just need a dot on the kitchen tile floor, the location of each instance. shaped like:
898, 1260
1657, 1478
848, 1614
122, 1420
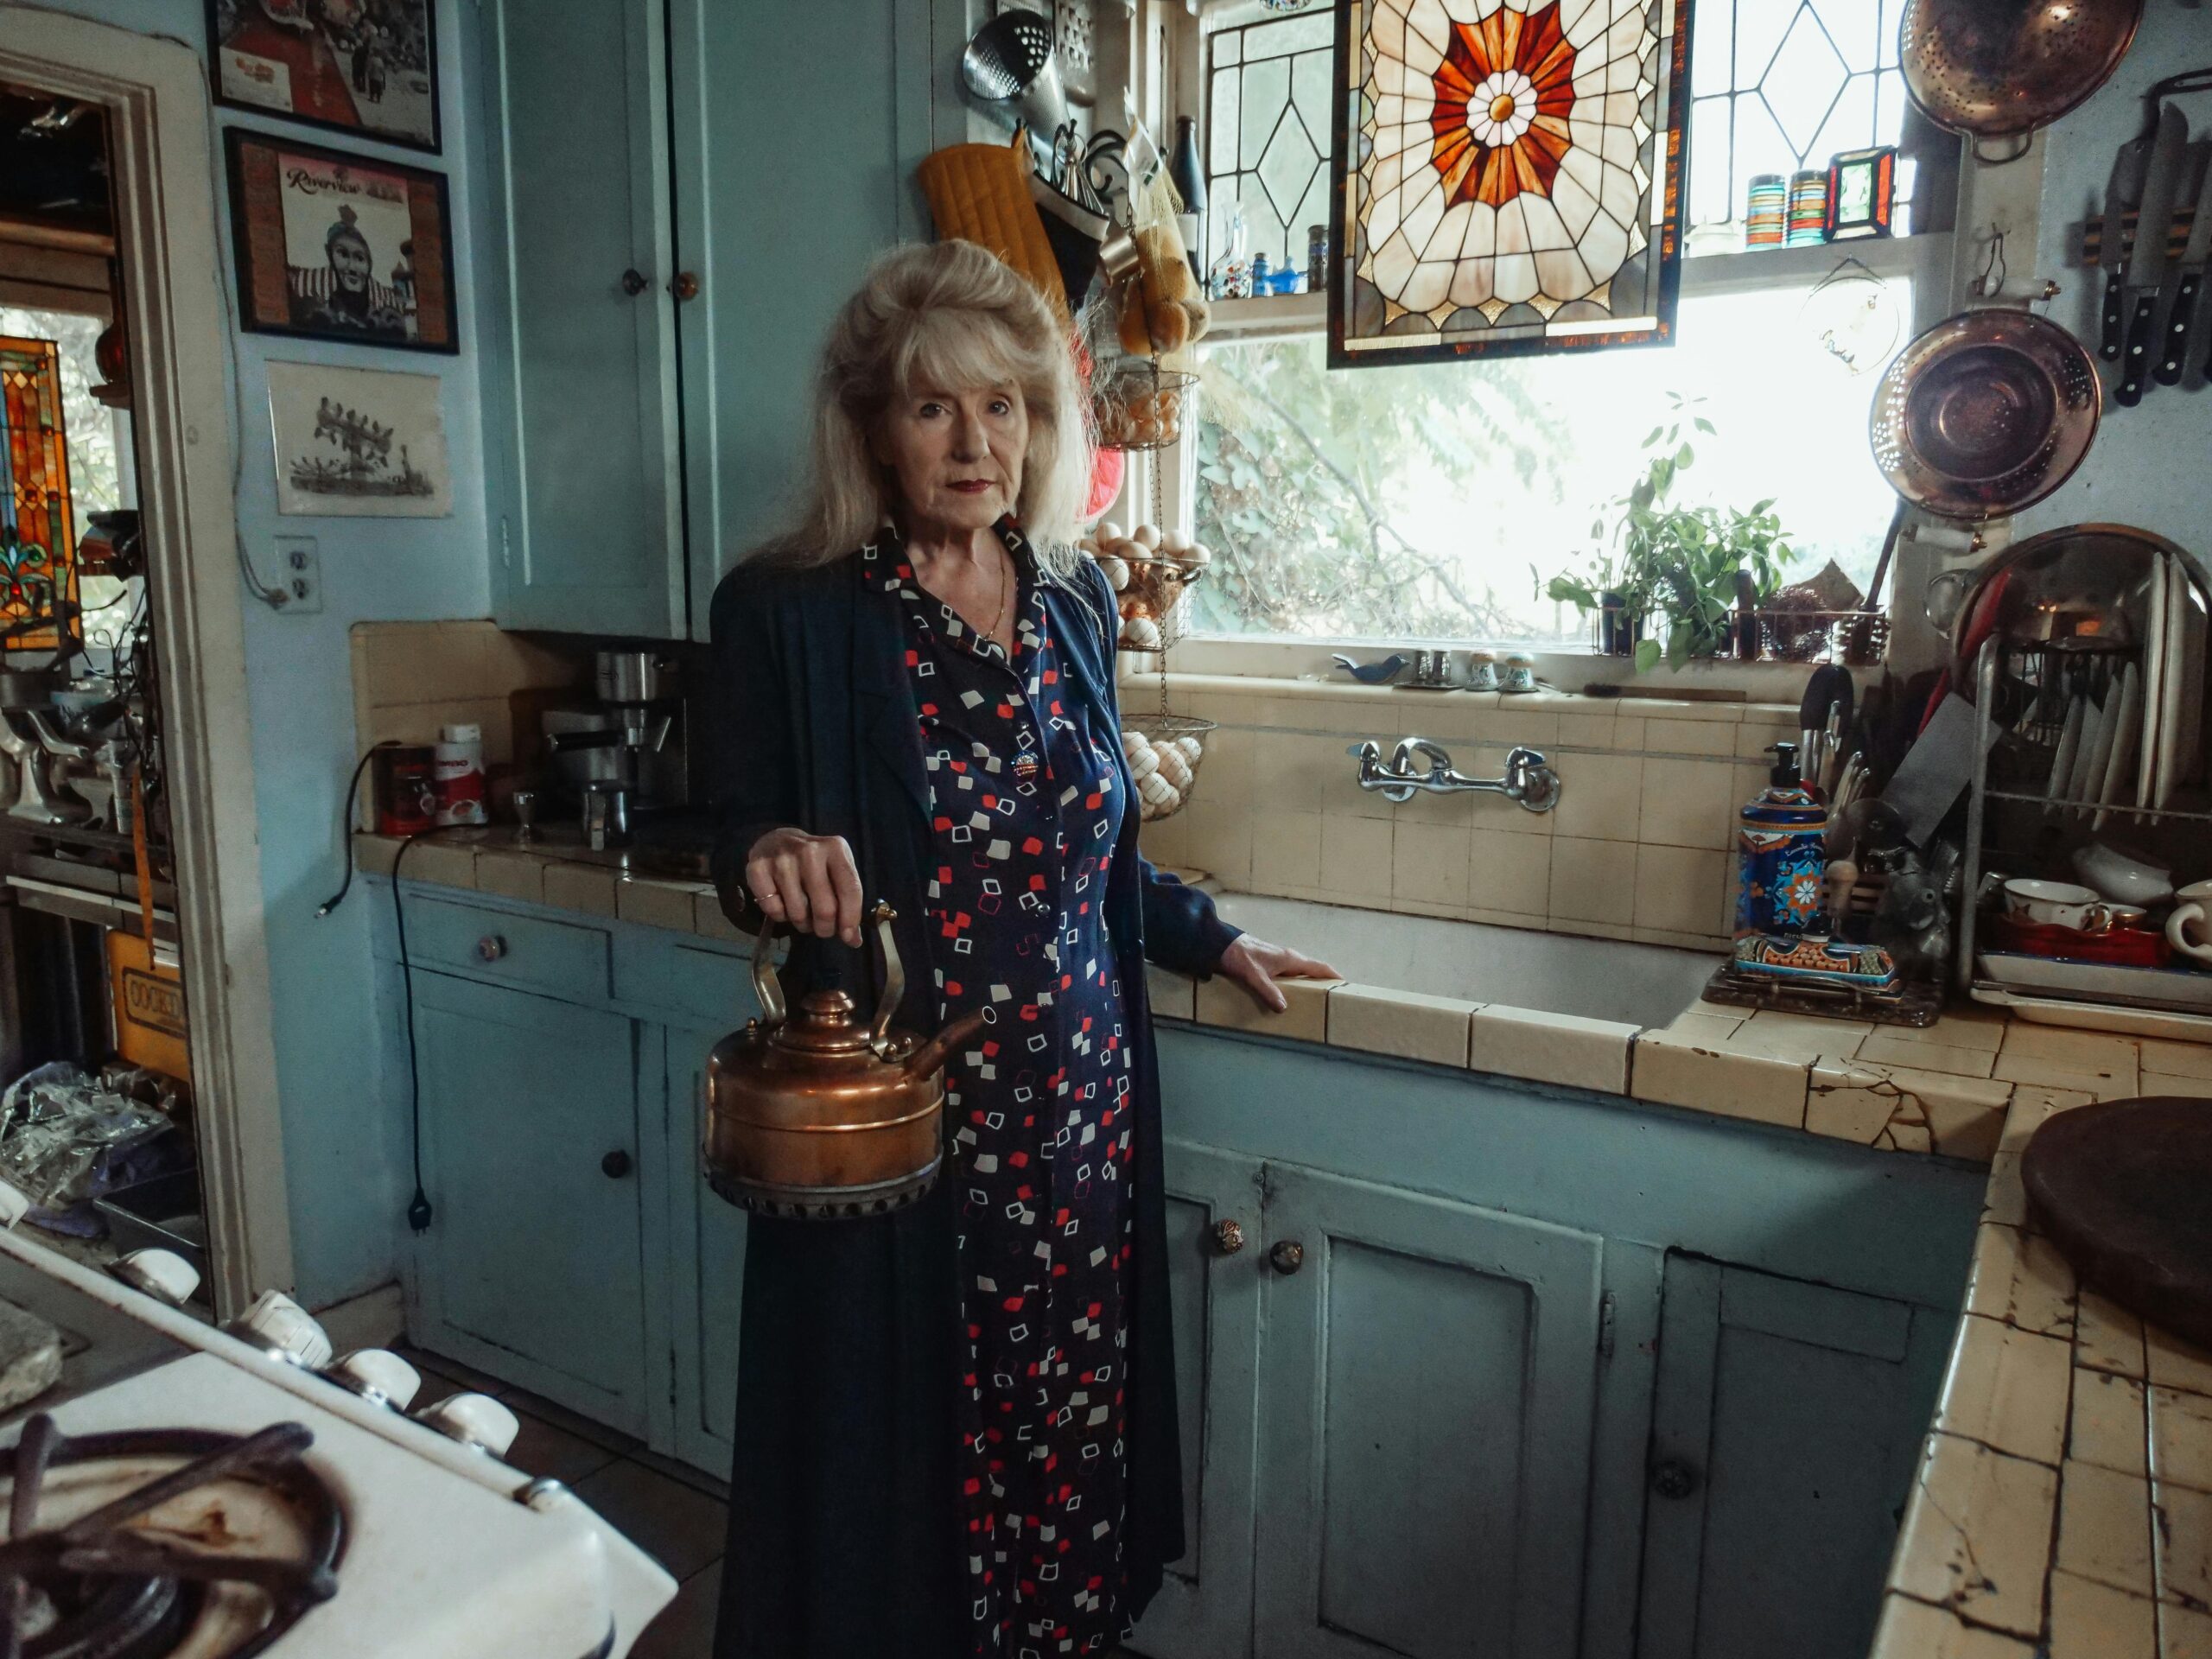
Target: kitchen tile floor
672, 1512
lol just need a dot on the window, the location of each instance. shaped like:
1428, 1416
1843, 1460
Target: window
1426, 501
1434, 501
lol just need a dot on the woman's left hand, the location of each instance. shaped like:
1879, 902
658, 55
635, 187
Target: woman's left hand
1255, 965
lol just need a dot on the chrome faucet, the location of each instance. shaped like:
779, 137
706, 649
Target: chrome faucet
1529, 777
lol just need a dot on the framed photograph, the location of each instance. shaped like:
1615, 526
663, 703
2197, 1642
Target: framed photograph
358, 442
336, 247
368, 66
1506, 180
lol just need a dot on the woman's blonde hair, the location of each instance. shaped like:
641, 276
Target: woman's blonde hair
941, 316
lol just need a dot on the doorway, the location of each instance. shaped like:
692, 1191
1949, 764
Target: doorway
132, 950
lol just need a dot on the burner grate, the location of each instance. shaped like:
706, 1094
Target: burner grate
105, 1584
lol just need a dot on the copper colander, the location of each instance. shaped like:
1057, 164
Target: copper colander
1999, 68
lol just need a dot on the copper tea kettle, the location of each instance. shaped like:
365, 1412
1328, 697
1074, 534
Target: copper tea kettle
816, 1117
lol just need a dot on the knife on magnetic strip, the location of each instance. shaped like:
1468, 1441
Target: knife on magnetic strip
2194, 257
2122, 193
2147, 264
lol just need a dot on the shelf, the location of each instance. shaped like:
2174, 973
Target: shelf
2055, 804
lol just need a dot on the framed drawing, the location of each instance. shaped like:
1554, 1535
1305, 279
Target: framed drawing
366, 67
335, 247
358, 442
1509, 176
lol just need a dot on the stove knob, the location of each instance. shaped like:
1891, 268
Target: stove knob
163, 1274
379, 1376
280, 1328
474, 1419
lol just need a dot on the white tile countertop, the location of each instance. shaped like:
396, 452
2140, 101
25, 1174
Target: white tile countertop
2063, 1507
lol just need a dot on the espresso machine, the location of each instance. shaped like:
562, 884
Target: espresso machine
622, 757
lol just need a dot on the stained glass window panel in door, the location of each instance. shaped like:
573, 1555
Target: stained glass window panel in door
1509, 176
37, 542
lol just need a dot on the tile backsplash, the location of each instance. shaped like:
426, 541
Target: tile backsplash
1640, 846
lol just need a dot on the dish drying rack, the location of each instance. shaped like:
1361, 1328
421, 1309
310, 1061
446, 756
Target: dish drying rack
2052, 774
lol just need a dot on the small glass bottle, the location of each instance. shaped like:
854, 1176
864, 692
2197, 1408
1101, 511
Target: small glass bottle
1316, 258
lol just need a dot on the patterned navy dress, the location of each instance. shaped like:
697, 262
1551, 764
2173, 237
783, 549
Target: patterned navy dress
1024, 813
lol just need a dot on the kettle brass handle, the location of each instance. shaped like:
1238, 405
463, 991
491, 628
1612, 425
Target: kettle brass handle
769, 991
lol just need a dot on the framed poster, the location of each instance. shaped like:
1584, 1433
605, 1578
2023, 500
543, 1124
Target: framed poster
1508, 177
366, 67
358, 442
335, 247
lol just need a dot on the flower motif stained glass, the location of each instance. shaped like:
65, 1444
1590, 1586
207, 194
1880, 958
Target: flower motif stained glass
1509, 177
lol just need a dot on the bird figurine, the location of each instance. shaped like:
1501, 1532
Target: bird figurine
1380, 673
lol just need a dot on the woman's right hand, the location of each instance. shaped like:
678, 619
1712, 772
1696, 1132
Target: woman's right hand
809, 881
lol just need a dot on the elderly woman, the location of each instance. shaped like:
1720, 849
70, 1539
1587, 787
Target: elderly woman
956, 1423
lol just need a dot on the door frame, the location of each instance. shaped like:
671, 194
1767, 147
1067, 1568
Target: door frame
161, 121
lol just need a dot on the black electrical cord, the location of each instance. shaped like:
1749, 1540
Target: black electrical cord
346, 829
418, 1208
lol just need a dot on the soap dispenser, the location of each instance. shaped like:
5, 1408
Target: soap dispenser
1781, 847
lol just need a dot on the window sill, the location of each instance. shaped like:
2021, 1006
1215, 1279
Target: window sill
1295, 666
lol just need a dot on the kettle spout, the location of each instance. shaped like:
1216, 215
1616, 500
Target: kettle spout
931, 1055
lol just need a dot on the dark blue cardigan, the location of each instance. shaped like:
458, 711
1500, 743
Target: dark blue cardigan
845, 1538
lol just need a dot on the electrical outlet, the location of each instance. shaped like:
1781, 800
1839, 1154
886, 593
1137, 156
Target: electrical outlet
299, 573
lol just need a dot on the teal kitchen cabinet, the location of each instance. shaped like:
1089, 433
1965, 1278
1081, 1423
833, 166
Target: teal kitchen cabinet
707, 1264
1216, 1260
1428, 1394
680, 193
531, 1268
1785, 1428
578, 320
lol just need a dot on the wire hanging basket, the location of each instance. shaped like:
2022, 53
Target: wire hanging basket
1139, 405
1164, 751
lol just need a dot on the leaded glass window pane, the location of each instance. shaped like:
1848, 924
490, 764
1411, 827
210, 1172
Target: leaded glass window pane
1268, 124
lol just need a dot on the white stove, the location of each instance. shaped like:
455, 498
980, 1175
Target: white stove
328, 1523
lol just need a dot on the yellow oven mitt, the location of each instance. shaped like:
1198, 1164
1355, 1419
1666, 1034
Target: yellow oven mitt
980, 193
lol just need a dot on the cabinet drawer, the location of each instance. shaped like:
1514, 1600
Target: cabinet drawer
710, 986
526, 950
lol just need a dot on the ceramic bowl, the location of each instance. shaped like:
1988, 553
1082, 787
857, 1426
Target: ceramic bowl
2058, 904
2124, 877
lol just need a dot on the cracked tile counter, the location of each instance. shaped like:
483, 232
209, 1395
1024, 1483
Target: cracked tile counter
2062, 1508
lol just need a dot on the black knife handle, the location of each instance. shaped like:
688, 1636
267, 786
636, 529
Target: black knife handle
2115, 314
2135, 362
2177, 326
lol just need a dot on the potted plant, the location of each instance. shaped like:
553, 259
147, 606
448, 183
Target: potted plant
1688, 565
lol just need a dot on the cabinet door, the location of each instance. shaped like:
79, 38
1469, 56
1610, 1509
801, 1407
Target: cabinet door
797, 129
579, 372
1426, 1395
1784, 1428
1204, 1610
531, 1267
707, 1237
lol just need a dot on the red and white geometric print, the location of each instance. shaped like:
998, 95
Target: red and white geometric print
1024, 811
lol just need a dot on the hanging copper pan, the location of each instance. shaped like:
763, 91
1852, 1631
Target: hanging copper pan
1999, 68
1985, 414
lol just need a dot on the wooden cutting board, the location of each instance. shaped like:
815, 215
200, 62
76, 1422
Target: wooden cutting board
2124, 1189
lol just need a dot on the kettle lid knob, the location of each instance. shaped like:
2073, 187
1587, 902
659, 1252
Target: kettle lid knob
826, 1009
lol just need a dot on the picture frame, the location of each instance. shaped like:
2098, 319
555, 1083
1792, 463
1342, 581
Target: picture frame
368, 67
358, 443
333, 246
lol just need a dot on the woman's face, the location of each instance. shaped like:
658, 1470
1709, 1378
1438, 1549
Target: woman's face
958, 455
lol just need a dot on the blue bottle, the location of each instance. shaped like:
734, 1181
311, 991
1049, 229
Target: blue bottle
1782, 843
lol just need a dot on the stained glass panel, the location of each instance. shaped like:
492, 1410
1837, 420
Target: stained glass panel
1509, 178
37, 543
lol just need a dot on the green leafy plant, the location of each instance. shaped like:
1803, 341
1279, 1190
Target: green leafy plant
1679, 561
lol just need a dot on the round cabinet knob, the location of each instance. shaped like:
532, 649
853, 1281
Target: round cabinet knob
1288, 1256
163, 1274
1228, 1237
474, 1419
379, 1376
1672, 1477
633, 282
280, 1328
685, 287
491, 948
616, 1164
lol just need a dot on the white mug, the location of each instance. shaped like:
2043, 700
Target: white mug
2057, 904
2192, 902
